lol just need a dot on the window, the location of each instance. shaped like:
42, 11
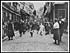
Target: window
60, 12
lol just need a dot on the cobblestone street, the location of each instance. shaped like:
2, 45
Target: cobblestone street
35, 43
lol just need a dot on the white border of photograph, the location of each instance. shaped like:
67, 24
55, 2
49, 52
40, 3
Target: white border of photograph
34, 1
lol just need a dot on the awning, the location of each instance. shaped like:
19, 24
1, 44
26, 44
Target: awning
10, 10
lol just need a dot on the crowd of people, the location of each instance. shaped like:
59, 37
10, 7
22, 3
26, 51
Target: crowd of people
55, 28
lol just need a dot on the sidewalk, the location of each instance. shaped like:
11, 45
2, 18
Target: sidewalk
16, 35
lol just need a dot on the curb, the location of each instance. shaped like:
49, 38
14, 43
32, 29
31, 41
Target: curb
5, 38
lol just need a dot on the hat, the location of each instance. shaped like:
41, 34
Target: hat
63, 19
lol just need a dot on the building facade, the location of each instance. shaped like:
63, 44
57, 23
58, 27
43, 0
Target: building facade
61, 11
10, 12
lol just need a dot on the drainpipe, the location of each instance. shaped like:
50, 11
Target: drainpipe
54, 14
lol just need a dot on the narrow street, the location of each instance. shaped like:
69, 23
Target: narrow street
48, 17
35, 43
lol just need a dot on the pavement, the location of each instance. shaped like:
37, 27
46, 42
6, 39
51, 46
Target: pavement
35, 43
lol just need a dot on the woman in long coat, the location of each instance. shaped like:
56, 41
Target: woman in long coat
10, 32
56, 36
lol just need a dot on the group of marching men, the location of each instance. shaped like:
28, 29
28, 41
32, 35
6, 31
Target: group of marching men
56, 28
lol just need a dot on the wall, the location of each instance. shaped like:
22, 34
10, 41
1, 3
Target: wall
65, 15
